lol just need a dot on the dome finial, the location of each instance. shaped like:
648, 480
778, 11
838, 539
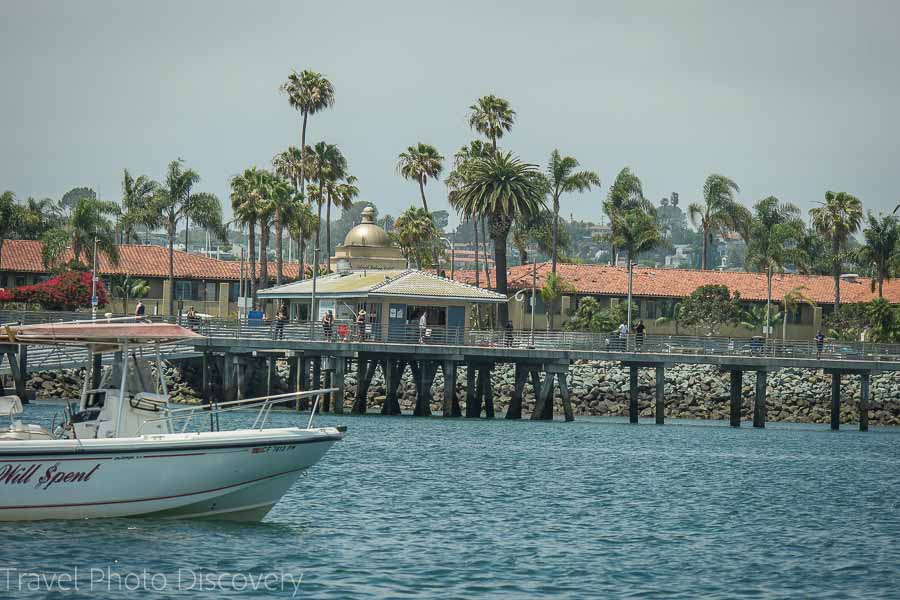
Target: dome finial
368, 215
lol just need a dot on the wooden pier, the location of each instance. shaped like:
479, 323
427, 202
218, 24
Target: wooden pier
324, 364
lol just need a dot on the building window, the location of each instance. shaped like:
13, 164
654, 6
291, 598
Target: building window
20, 280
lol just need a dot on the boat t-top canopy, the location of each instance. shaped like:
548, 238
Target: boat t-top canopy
99, 333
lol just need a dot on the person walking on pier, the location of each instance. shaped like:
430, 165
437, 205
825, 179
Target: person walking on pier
639, 335
820, 343
327, 323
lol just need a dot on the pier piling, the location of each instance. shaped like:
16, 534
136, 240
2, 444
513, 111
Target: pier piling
759, 403
835, 401
632, 394
449, 405
515, 403
737, 384
471, 392
339, 367
864, 401
660, 395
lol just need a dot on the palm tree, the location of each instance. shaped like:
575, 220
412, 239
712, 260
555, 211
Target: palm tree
625, 194
837, 219
341, 195
792, 300
245, 206
882, 238
282, 199
289, 165
636, 232
491, 117
326, 166
176, 201
719, 212
419, 163
126, 287
775, 233
88, 222
456, 179
137, 196
308, 92
563, 178
8, 218
500, 188
415, 232
302, 225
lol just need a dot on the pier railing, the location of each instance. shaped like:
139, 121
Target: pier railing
341, 332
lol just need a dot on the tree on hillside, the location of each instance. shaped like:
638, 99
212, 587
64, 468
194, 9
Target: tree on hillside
837, 219
500, 188
8, 218
176, 201
562, 178
308, 92
71, 198
719, 213
882, 242
709, 308
538, 230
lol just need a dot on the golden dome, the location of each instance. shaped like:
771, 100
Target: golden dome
368, 233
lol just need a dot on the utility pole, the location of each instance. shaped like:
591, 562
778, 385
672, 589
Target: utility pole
630, 277
533, 292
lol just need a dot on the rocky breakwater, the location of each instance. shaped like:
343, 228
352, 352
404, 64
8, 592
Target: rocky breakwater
692, 392
183, 382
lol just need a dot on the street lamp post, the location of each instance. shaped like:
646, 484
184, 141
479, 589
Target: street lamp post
630, 278
533, 291
94, 285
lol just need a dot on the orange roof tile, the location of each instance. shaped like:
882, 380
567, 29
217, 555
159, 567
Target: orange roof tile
603, 280
142, 261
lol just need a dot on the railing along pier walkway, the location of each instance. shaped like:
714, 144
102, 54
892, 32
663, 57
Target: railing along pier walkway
314, 352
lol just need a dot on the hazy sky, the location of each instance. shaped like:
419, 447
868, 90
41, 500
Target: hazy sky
787, 98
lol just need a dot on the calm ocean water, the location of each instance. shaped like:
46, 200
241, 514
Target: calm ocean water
418, 508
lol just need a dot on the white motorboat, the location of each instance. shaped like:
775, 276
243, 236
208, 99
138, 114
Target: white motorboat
125, 451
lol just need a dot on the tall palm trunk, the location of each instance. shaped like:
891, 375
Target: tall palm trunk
251, 241
187, 230
263, 256
484, 239
302, 258
303, 156
500, 226
703, 257
422, 191
328, 232
555, 233
1, 253
279, 247
171, 232
477, 268
836, 269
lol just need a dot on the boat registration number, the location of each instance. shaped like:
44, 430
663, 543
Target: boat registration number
268, 449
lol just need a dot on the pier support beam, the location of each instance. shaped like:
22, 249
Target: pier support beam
564, 394
392, 376
660, 395
737, 383
835, 401
449, 405
864, 401
339, 366
759, 403
472, 411
365, 371
228, 378
204, 378
303, 382
632, 394
486, 393
515, 403
424, 378
270, 374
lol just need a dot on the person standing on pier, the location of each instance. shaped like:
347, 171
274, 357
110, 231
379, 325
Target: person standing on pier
639, 335
820, 343
361, 325
623, 337
281, 318
423, 326
327, 322
508, 335
139, 310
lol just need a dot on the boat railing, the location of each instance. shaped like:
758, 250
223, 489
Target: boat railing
180, 419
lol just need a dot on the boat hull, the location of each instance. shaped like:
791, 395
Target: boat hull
237, 475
